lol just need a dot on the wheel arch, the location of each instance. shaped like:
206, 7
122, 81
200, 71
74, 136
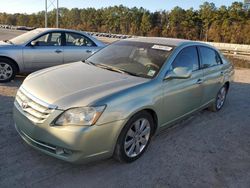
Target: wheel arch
12, 60
227, 84
150, 111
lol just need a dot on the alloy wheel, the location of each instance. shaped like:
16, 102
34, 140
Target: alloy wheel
137, 137
221, 97
6, 71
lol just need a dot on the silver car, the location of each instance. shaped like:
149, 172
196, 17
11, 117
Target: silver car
44, 47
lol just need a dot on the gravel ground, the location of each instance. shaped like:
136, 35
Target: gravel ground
6, 34
206, 150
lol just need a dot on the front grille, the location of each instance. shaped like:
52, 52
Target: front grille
34, 109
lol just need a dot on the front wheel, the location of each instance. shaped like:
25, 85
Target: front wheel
134, 138
220, 99
8, 70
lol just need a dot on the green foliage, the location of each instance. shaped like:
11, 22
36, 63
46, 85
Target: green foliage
224, 24
146, 23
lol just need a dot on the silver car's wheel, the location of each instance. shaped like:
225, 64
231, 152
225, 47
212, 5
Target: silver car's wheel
137, 137
6, 71
221, 97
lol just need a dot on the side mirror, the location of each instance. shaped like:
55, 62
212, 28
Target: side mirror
179, 73
33, 43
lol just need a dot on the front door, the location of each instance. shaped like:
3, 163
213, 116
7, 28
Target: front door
46, 51
78, 47
183, 96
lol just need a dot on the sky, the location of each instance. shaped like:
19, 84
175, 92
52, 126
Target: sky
33, 6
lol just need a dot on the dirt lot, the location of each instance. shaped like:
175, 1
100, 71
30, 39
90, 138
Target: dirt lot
207, 150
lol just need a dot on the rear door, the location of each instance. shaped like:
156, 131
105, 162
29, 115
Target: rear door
47, 52
213, 74
182, 96
78, 47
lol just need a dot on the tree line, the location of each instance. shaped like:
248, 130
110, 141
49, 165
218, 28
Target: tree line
209, 23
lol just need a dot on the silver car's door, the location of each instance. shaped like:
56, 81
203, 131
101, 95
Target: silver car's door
45, 51
78, 47
183, 96
213, 74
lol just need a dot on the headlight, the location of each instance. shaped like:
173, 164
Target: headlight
80, 116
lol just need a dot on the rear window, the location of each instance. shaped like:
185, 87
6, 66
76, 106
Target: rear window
209, 57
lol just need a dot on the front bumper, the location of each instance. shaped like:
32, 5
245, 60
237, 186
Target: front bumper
77, 144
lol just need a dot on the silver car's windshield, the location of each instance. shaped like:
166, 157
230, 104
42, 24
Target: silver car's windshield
136, 58
21, 39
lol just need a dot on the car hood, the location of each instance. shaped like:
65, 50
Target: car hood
76, 84
3, 44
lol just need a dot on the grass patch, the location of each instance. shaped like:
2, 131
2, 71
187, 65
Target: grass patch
237, 62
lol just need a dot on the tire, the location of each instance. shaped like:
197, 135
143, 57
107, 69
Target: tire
8, 70
220, 99
134, 137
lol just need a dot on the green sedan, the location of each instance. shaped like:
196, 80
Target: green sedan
114, 102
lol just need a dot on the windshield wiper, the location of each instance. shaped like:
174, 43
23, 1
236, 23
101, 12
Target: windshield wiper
111, 68
89, 62
108, 67
130, 73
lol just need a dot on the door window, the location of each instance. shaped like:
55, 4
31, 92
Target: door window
188, 57
75, 39
209, 57
49, 39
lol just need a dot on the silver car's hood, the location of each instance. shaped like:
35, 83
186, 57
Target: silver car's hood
4, 44
76, 84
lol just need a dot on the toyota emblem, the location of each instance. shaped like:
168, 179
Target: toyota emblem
25, 104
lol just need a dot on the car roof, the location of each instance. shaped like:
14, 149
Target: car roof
169, 41
160, 40
56, 29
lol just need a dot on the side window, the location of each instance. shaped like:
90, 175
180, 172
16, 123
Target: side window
209, 57
74, 39
49, 39
188, 57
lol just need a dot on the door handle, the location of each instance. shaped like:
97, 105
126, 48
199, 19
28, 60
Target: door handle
199, 81
58, 51
88, 51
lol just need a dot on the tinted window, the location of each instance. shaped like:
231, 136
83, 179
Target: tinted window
209, 57
49, 39
75, 39
188, 57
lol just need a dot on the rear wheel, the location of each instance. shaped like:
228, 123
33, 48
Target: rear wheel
134, 138
8, 70
220, 99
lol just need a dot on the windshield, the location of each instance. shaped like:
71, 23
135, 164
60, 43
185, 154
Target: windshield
137, 58
21, 39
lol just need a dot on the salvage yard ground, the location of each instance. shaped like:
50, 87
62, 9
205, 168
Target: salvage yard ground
206, 150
